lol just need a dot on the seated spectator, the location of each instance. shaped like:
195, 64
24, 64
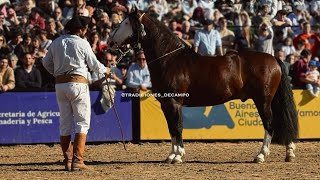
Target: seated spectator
7, 80
115, 79
227, 36
207, 41
138, 76
13, 61
24, 47
12, 19
313, 74
300, 67
44, 41
52, 31
35, 18
288, 47
4, 49
28, 76
188, 7
312, 40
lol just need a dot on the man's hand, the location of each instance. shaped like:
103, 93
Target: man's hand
107, 73
142, 87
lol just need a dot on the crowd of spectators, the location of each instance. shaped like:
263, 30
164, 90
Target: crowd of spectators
283, 28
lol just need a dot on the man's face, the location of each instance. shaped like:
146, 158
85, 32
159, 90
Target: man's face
28, 59
84, 32
141, 60
3, 63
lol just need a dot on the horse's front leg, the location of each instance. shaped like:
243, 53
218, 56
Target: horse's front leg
172, 112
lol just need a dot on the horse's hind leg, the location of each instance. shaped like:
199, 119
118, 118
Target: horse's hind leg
265, 113
290, 156
172, 112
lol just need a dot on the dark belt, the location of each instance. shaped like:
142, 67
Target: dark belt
71, 78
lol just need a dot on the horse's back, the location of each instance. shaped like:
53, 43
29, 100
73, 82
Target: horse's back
242, 75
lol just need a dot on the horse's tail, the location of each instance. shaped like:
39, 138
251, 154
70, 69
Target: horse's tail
285, 115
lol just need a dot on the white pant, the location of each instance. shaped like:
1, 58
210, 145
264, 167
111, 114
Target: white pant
74, 105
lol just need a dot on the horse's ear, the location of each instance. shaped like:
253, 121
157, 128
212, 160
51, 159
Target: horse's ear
134, 9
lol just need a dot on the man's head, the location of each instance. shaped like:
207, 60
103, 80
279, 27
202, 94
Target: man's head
208, 24
28, 60
78, 25
306, 55
4, 62
141, 59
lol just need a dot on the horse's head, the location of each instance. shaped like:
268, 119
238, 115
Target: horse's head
130, 31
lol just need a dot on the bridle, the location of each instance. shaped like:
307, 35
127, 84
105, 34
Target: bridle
140, 34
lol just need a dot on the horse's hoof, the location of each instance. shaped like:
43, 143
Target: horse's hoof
259, 159
168, 161
176, 161
290, 159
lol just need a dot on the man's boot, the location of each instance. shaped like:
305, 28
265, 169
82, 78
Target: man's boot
78, 152
66, 146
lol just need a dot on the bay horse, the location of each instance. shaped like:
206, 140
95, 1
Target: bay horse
175, 68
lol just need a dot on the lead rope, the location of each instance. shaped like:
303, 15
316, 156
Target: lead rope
117, 115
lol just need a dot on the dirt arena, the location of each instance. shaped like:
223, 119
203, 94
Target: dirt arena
215, 160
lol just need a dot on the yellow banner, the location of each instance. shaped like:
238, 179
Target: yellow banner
232, 120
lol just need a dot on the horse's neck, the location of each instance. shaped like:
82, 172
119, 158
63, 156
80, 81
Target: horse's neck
157, 43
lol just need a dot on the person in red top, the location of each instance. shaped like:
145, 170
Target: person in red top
300, 67
311, 39
36, 19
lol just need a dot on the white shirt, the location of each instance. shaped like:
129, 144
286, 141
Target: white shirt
70, 54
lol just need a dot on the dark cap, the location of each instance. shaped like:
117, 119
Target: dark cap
77, 22
207, 22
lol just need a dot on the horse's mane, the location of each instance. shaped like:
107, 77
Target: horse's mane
167, 40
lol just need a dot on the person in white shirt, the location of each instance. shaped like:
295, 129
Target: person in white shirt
68, 60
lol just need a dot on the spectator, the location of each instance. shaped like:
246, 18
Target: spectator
208, 40
138, 76
207, 6
24, 24
301, 45
227, 36
44, 41
35, 18
300, 68
13, 61
4, 29
188, 7
173, 26
4, 49
313, 74
7, 80
311, 39
12, 19
59, 19
225, 7
52, 31
197, 18
24, 47
263, 41
15, 41
115, 79
295, 17
186, 31
28, 76
262, 16
288, 47
282, 26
